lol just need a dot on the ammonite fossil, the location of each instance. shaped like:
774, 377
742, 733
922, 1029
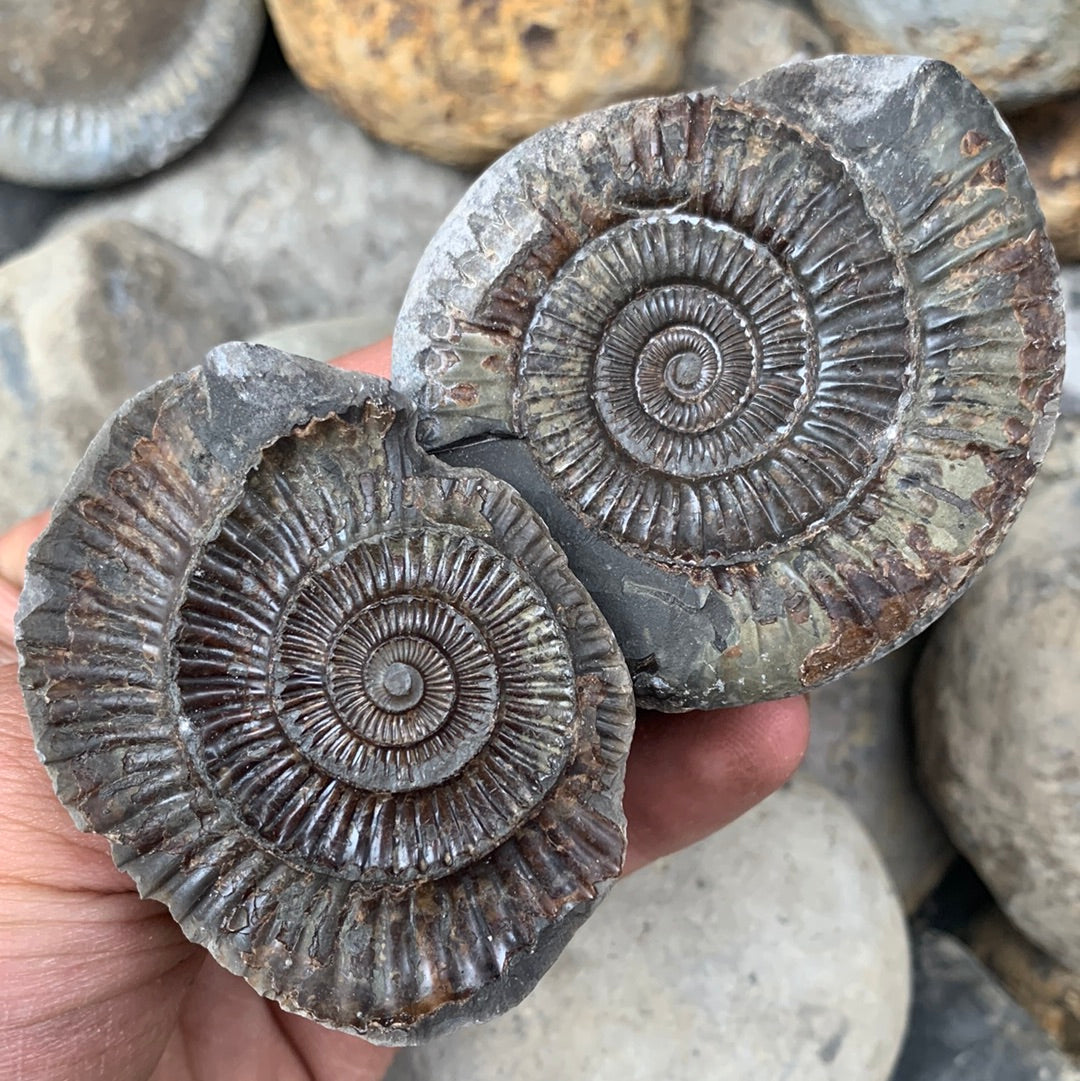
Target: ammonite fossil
776, 369
101, 90
342, 708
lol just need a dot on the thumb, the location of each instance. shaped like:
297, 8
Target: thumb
14, 544
372, 358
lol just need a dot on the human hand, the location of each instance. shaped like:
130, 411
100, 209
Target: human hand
96, 983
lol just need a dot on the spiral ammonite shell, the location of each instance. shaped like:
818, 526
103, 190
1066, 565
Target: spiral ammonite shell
777, 370
343, 708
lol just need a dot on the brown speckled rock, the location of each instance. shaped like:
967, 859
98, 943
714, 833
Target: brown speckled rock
462, 82
1049, 140
1050, 993
1017, 52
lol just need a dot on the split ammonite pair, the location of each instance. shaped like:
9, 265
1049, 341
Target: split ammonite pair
774, 371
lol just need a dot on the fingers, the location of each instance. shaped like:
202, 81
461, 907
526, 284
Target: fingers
690, 774
372, 358
335, 1055
15, 543
226, 1031
13, 548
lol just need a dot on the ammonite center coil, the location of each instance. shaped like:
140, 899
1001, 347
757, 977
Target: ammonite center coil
776, 369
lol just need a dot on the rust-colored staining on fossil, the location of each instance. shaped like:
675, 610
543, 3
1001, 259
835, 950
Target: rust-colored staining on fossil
973, 142
748, 346
343, 709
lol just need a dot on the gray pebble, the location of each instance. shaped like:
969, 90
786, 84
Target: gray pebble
87, 320
93, 91
775, 950
1070, 280
736, 40
860, 749
998, 719
1016, 51
304, 211
964, 1027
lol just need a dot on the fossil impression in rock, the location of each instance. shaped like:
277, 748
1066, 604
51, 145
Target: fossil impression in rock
776, 369
101, 90
342, 708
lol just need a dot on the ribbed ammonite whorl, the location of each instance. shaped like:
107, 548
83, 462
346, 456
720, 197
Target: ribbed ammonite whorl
777, 370
343, 708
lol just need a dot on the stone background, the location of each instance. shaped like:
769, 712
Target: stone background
833, 933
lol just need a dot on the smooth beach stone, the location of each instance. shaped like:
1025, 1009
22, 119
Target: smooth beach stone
1047, 990
1016, 51
1070, 283
1049, 139
998, 721
86, 320
462, 82
965, 1027
860, 749
775, 949
306, 213
93, 91
1063, 458
735, 40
